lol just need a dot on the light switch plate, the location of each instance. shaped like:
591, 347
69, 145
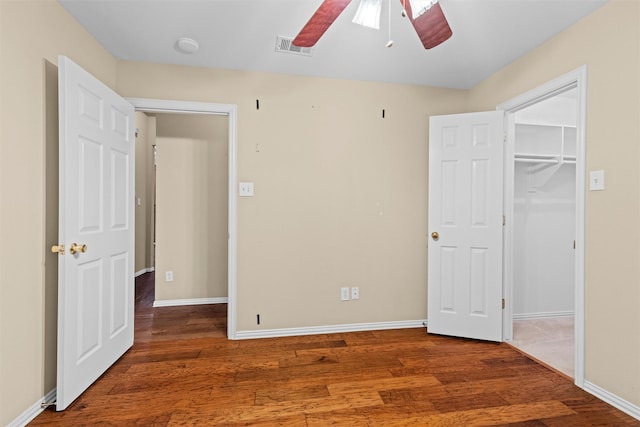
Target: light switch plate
596, 180
246, 189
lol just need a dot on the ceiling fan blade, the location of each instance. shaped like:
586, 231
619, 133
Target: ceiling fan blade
432, 26
328, 11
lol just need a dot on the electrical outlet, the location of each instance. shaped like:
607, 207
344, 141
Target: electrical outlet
355, 292
344, 294
168, 276
246, 189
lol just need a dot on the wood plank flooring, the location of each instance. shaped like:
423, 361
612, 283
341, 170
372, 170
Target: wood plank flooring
182, 371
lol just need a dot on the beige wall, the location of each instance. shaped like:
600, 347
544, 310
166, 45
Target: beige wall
144, 197
32, 35
609, 42
192, 206
141, 214
340, 193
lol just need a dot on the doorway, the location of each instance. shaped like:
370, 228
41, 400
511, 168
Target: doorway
544, 231
230, 111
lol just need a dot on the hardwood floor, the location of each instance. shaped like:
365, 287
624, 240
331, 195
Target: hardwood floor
182, 371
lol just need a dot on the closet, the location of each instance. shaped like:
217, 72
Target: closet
544, 208
544, 230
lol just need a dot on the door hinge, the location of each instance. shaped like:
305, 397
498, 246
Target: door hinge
504, 303
574, 244
504, 220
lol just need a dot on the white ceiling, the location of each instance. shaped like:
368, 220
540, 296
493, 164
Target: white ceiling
241, 34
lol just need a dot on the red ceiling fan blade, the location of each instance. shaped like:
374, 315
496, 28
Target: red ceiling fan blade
432, 27
328, 11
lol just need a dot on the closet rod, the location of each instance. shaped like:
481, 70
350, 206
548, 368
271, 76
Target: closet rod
525, 160
521, 160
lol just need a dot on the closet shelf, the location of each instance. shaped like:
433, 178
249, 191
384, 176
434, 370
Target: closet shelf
543, 158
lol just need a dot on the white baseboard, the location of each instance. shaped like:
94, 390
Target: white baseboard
144, 270
33, 411
613, 400
331, 329
543, 315
192, 301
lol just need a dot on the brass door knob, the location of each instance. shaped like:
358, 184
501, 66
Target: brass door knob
76, 248
57, 249
435, 235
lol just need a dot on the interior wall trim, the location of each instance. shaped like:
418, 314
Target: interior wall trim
231, 111
33, 411
543, 315
330, 329
578, 79
190, 301
144, 270
613, 400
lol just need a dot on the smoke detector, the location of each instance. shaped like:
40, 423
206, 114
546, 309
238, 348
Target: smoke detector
186, 45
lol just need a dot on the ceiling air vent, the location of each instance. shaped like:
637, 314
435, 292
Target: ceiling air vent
285, 44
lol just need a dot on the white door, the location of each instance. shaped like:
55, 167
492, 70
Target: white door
95, 284
465, 225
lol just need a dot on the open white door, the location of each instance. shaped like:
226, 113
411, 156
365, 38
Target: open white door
465, 225
95, 282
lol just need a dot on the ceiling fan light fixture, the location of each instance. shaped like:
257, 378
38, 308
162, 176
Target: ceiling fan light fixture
419, 7
368, 14
186, 45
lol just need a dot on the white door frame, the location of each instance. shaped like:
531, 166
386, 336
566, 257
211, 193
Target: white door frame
578, 79
231, 111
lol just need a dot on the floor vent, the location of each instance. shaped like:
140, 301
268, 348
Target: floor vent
285, 44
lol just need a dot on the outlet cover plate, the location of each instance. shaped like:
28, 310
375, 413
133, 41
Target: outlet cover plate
246, 189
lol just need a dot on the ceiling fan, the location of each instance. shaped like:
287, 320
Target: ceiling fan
425, 15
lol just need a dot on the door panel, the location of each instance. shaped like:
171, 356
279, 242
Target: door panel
95, 284
465, 210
